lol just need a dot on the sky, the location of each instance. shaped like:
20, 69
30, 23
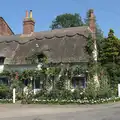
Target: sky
44, 11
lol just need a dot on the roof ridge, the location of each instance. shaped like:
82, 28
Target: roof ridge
62, 29
24, 42
57, 33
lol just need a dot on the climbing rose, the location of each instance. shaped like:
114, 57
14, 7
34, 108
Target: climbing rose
16, 75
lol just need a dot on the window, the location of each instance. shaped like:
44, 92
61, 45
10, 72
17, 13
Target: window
26, 82
78, 82
37, 83
41, 58
2, 60
4, 80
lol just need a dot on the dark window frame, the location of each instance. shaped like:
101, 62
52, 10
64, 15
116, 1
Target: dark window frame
2, 59
79, 82
41, 57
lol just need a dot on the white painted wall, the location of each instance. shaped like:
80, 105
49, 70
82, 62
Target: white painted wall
1, 68
19, 67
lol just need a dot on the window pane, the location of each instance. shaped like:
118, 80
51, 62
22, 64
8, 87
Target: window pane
78, 82
37, 83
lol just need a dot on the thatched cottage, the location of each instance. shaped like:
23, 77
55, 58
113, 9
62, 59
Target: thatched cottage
60, 45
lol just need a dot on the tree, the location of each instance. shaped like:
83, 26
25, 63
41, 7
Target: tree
109, 57
67, 20
110, 49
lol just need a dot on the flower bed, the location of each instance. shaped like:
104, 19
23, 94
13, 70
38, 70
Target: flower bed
5, 100
85, 101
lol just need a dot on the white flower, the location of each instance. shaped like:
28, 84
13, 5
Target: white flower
85, 98
37, 100
68, 101
72, 90
39, 66
60, 75
81, 93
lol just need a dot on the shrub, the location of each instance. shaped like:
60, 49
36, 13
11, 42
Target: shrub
91, 90
6, 101
105, 90
27, 98
4, 91
66, 94
54, 94
41, 94
76, 94
60, 84
114, 91
19, 96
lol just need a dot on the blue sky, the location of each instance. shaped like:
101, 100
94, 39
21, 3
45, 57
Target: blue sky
44, 11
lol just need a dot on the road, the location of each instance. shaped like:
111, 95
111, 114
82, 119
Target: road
57, 112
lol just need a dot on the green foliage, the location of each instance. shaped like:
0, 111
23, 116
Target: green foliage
65, 95
104, 90
19, 95
99, 33
5, 73
60, 84
91, 91
92, 66
78, 94
53, 94
110, 49
89, 45
27, 98
6, 101
60, 93
4, 91
42, 94
110, 57
66, 21
114, 73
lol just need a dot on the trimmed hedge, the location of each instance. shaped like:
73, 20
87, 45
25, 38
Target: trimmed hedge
6, 101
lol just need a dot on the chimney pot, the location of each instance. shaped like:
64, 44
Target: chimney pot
30, 13
26, 14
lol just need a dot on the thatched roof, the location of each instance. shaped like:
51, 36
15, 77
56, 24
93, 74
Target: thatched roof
62, 45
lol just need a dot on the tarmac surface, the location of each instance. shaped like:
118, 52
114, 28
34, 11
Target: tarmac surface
60, 112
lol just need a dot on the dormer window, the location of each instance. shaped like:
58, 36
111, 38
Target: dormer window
2, 59
41, 58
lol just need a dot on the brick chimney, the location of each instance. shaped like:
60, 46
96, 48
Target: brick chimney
28, 23
92, 25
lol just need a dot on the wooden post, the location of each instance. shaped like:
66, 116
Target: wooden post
118, 90
34, 87
14, 95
